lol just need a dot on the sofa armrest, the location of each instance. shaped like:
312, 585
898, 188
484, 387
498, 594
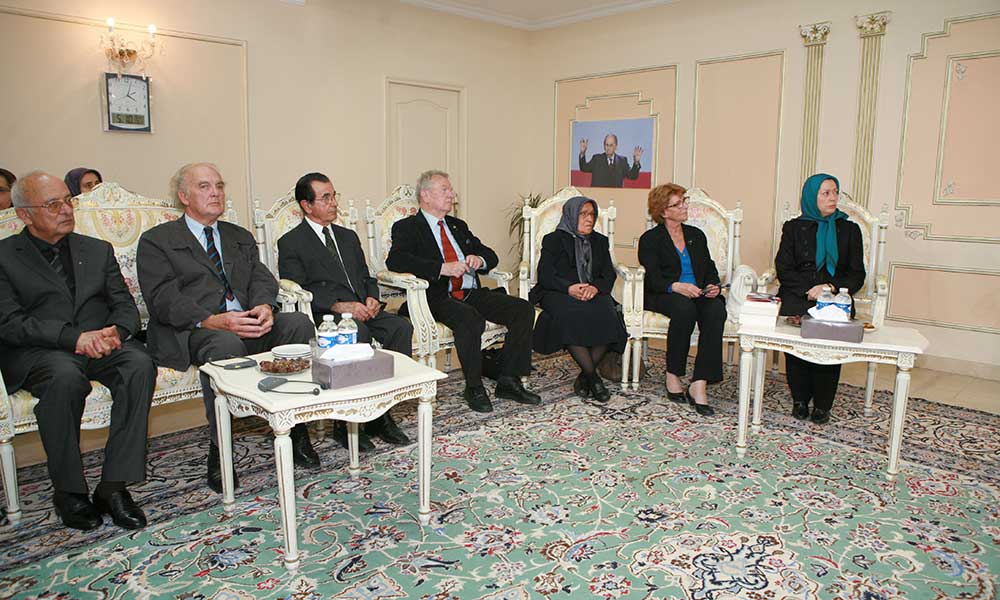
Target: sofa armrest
523, 282
501, 277
419, 311
881, 300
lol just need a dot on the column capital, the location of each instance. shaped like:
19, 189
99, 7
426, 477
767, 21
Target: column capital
815, 33
873, 24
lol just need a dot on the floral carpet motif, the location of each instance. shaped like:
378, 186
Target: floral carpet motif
639, 498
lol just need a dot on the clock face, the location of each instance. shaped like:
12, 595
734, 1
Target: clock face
128, 102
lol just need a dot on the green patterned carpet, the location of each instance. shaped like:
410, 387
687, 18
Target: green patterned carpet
637, 499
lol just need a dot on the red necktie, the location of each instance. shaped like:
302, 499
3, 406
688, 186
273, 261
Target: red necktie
451, 256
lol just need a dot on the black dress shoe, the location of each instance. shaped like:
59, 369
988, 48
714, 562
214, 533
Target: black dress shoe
512, 389
702, 409
800, 410
387, 430
477, 399
820, 416
303, 454
597, 388
76, 511
365, 443
581, 387
215, 471
676, 396
123, 510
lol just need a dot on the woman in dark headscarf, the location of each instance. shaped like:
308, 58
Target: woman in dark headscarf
682, 283
81, 180
575, 278
819, 249
7, 180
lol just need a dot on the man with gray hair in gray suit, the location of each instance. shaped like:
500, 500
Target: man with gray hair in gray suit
210, 297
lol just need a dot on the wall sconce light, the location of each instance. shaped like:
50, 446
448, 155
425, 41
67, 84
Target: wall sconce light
124, 54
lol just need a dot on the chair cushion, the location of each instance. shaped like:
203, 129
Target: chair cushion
171, 386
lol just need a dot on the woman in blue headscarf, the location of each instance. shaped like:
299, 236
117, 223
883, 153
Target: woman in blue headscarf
819, 249
575, 278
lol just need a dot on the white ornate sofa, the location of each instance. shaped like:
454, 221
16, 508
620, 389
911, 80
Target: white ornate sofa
542, 220
118, 216
430, 336
722, 229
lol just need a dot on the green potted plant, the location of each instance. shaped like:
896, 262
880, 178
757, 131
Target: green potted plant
516, 225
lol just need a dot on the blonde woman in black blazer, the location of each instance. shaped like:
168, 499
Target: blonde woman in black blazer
686, 296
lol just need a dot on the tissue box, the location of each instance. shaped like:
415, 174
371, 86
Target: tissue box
841, 331
336, 375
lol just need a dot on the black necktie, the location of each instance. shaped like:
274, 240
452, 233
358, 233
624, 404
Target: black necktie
57, 265
213, 255
332, 247
611, 161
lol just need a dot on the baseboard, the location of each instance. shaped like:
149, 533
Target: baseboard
959, 367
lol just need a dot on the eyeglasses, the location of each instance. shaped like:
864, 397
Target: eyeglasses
328, 198
54, 206
683, 202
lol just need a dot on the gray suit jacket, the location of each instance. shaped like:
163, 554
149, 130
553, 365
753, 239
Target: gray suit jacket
182, 287
304, 259
37, 312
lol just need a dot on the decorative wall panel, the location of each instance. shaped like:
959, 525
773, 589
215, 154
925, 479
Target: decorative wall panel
954, 297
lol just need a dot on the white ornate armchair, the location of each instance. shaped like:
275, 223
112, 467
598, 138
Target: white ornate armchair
114, 214
269, 225
722, 229
871, 300
430, 336
543, 220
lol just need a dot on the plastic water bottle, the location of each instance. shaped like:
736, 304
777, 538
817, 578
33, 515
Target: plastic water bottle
843, 301
327, 334
347, 332
825, 299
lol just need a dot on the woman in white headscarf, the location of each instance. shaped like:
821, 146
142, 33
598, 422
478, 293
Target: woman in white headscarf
575, 277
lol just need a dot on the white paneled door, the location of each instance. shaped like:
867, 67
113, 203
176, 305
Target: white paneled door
424, 130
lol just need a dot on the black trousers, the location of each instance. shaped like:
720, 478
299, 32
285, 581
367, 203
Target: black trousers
61, 382
810, 381
684, 313
467, 319
207, 345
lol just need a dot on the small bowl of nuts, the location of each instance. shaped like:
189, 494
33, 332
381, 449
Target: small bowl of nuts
284, 366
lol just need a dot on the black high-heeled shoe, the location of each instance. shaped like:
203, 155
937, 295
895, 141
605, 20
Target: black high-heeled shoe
676, 396
702, 409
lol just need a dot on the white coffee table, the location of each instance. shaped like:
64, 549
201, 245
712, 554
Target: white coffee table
237, 394
888, 345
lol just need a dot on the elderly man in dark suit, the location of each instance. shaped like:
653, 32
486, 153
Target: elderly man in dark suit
327, 260
440, 248
609, 169
66, 317
211, 298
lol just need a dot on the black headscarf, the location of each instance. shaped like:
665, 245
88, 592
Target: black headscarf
568, 223
73, 178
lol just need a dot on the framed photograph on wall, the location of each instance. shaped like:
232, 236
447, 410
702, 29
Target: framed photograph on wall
612, 154
126, 103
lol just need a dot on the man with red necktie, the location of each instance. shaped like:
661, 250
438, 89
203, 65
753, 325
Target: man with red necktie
441, 249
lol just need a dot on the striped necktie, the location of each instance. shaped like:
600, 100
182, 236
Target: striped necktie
213, 255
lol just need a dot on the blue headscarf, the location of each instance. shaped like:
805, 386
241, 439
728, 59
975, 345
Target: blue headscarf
826, 234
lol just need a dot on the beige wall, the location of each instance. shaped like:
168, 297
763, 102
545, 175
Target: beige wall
316, 80
691, 34
315, 100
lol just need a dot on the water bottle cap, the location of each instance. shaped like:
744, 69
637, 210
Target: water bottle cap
844, 290
345, 315
327, 317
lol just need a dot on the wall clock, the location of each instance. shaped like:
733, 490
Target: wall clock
127, 101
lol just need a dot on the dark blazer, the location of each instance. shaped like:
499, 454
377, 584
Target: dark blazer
557, 265
414, 250
663, 267
604, 175
37, 312
182, 287
304, 258
795, 263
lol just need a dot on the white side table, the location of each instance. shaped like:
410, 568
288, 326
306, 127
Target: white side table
237, 394
896, 346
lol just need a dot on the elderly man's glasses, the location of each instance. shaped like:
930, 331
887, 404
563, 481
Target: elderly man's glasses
681, 202
328, 198
54, 206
